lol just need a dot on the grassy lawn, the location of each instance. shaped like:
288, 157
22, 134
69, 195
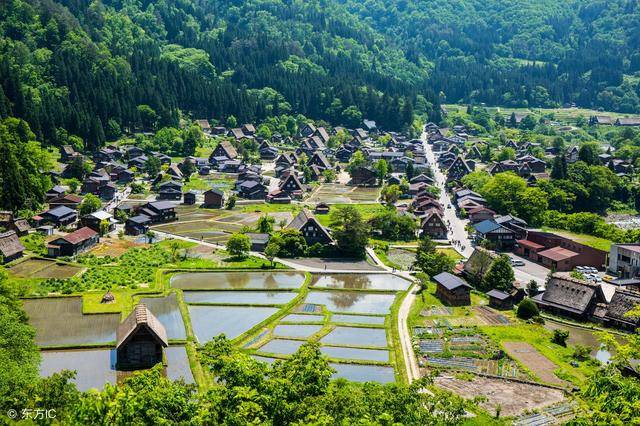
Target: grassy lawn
588, 240
366, 210
123, 303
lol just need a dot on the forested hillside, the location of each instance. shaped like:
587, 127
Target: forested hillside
96, 68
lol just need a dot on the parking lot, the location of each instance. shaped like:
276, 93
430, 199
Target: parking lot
530, 271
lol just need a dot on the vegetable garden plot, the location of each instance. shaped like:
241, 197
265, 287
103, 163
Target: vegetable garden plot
431, 346
60, 322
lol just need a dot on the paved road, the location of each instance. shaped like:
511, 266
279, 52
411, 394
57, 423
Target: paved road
457, 224
524, 274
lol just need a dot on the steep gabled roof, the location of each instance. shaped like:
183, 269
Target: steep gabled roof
569, 294
10, 244
141, 317
301, 220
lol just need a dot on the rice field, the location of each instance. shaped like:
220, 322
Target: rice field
42, 268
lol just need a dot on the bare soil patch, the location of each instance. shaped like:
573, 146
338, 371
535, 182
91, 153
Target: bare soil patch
514, 398
537, 363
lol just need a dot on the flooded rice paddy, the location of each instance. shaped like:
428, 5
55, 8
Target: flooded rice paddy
353, 372
354, 302
361, 282
168, 313
354, 336
585, 337
239, 297
210, 321
281, 346
96, 367
355, 353
357, 319
59, 322
296, 330
238, 280
303, 318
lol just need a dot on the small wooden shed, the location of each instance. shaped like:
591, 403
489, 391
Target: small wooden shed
140, 340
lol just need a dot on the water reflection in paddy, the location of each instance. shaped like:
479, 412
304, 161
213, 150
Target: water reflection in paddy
281, 346
96, 367
296, 330
238, 280
357, 319
360, 281
303, 318
239, 297
168, 313
352, 301
585, 337
210, 321
353, 372
355, 353
353, 336
363, 373
59, 321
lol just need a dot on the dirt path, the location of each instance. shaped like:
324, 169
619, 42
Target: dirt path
531, 358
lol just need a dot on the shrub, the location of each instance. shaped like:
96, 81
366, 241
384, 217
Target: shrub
560, 337
527, 309
581, 352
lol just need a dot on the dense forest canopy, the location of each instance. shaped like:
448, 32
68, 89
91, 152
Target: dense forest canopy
96, 68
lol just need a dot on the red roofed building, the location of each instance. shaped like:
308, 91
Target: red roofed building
73, 243
559, 253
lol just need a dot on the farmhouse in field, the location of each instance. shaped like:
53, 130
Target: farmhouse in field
10, 247
452, 290
74, 243
141, 339
312, 231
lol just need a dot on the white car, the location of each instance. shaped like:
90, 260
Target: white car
516, 262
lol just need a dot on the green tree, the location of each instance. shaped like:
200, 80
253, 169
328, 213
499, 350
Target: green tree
559, 167
349, 230
527, 309
152, 166
231, 202
265, 224
148, 116
90, 204
560, 337
381, 169
589, 152
431, 261
499, 275
272, 250
238, 245
329, 175
391, 194
357, 160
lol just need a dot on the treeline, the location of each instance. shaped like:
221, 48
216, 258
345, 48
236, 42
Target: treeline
98, 69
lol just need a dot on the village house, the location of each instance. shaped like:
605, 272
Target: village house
69, 200
140, 340
458, 169
628, 122
170, 190
10, 247
322, 208
504, 300
137, 225
74, 243
452, 290
213, 198
292, 186
158, 211
258, 241
363, 176
559, 253
55, 192
499, 236
621, 303
11, 223
189, 197
252, 190
267, 152
569, 297
433, 225
312, 231
624, 260
319, 159
57, 216
95, 219
224, 149
479, 214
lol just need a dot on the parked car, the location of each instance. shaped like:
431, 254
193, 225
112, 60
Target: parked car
516, 262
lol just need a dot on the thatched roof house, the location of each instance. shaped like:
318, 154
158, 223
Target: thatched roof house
140, 340
569, 296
